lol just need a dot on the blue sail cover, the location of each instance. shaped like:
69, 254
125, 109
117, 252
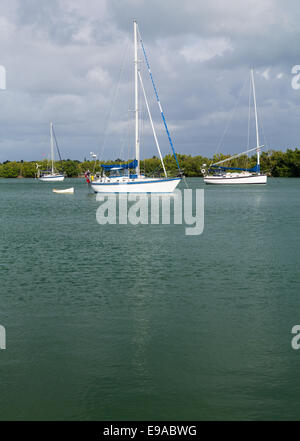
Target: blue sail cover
254, 169
132, 164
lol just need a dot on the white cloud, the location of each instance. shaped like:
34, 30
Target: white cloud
266, 74
7, 29
205, 49
99, 75
83, 35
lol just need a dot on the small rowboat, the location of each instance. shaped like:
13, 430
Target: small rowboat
64, 191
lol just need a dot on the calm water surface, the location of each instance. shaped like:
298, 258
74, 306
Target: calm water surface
142, 322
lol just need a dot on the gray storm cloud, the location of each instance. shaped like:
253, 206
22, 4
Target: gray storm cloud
70, 62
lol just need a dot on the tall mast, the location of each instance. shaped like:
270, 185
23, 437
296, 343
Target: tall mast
256, 123
52, 147
137, 141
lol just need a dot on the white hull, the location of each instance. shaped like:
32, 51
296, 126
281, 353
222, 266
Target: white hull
230, 180
52, 178
64, 191
136, 185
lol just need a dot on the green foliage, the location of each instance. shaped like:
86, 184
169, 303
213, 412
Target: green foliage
69, 168
152, 166
10, 169
28, 169
274, 163
282, 164
92, 166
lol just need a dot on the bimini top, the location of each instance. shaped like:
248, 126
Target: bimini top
132, 164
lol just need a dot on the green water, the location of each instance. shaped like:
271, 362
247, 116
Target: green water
139, 322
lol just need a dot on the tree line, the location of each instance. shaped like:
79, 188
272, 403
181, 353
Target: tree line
273, 163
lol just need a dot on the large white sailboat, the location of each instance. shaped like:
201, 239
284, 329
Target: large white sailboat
222, 175
121, 177
51, 175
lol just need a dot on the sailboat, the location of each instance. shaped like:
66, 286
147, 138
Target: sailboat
222, 175
51, 175
127, 178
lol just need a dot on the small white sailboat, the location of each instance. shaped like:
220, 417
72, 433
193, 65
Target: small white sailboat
222, 175
64, 191
121, 179
50, 175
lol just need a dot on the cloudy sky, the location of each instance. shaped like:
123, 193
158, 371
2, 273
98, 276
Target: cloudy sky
70, 62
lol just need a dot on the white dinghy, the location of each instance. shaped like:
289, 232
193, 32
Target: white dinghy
64, 191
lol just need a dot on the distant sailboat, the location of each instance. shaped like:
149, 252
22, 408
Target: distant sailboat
252, 175
120, 179
51, 175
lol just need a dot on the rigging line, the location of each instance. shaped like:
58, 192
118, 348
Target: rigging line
185, 181
152, 125
142, 135
143, 132
95, 164
158, 101
263, 132
55, 140
123, 142
128, 139
249, 120
237, 155
44, 143
249, 113
141, 123
110, 112
231, 117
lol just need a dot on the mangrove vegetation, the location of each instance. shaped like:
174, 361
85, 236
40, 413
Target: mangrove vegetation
273, 163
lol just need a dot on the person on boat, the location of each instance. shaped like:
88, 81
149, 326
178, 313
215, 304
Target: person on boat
87, 175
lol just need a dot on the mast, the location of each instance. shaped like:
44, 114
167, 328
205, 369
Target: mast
256, 124
52, 148
136, 98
